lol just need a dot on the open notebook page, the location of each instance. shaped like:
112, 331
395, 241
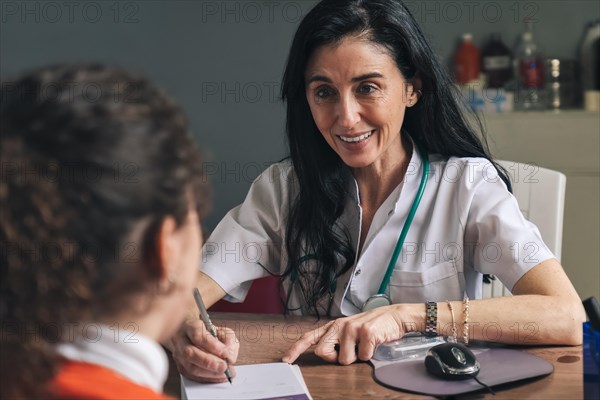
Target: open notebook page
254, 381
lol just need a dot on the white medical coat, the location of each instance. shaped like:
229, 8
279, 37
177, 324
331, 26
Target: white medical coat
467, 224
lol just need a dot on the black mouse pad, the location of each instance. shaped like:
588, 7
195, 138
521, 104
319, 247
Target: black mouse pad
498, 366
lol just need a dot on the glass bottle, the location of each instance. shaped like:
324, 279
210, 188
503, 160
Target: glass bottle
530, 72
496, 62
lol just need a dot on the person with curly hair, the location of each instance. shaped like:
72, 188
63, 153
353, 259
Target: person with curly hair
100, 197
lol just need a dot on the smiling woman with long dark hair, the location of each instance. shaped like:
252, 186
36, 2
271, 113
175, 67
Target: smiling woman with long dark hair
389, 206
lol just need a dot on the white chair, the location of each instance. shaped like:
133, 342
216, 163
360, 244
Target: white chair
540, 193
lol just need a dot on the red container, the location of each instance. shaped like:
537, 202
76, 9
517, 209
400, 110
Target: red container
467, 61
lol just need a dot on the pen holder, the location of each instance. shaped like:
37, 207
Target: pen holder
591, 362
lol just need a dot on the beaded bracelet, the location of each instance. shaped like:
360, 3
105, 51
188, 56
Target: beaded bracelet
454, 336
466, 320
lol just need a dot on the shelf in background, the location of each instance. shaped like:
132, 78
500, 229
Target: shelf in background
552, 114
568, 141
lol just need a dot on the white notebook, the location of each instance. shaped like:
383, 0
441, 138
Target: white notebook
254, 381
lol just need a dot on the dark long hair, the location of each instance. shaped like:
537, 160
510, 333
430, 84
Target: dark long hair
437, 124
88, 154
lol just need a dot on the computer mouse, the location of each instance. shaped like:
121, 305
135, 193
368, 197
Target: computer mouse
452, 361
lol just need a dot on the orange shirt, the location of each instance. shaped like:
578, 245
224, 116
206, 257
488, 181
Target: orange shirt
85, 381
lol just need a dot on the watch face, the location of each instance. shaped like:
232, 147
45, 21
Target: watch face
376, 301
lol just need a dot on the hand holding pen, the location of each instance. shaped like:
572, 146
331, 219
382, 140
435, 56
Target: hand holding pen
208, 323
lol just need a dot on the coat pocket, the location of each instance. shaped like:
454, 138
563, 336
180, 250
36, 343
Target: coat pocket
439, 282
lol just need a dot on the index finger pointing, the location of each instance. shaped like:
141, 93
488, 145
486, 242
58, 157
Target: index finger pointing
305, 341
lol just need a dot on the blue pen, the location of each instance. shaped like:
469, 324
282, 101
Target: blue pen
208, 323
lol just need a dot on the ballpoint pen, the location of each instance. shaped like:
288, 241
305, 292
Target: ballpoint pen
208, 323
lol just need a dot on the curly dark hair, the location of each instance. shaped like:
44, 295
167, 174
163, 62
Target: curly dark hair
88, 154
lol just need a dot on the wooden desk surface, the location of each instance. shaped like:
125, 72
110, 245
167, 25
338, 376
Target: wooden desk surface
265, 338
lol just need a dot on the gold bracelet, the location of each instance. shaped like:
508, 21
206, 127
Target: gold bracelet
452, 338
466, 320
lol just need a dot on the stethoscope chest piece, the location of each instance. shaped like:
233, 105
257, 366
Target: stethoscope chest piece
376, 301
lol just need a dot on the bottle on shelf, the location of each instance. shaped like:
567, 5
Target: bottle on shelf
466, 61
496, 62
530, 72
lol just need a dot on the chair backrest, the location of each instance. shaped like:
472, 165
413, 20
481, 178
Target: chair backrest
540, 193
262, 298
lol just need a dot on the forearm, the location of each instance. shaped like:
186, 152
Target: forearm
525, 319
210, 291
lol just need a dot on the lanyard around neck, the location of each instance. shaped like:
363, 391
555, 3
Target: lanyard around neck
406, 227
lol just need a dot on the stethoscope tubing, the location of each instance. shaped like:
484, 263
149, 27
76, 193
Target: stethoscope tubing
406, 227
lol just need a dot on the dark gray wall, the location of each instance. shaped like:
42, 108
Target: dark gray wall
224, 60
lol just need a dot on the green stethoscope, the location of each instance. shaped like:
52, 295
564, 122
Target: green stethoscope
381, 299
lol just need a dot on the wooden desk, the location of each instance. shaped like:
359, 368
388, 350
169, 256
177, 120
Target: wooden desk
265, 338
